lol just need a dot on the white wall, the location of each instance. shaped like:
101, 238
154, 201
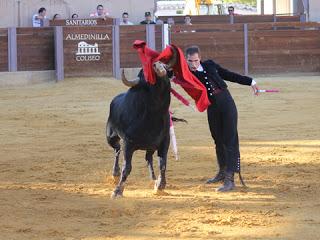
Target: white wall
268, 6
314, 10
282, 6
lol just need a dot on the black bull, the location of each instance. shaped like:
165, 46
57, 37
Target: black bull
140, 117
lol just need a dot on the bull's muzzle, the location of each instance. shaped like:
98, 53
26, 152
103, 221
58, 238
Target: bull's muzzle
159, 69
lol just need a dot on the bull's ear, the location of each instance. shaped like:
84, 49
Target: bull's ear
174, 58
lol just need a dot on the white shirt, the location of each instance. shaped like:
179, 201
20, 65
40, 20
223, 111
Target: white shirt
200, 68
127, 23
36, 22
96, 15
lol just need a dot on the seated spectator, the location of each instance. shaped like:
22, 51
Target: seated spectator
56, 17
187, 20
100, 13
75, 16
159, 21
125, 19
38, 20
170, 21
148, 19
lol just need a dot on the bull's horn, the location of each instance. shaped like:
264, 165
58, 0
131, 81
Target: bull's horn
129, 83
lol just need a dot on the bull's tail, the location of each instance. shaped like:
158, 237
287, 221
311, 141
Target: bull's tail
112, 137
175, 119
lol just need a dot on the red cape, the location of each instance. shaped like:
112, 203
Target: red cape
183, 75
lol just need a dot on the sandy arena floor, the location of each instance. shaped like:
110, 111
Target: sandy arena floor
55, 168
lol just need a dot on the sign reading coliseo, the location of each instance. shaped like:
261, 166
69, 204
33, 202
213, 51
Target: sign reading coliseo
87, 52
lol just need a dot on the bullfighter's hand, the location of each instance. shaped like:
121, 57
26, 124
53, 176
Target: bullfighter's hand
255, 89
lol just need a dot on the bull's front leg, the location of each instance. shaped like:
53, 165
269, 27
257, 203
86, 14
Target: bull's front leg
162, 153
116, 168
126, 169
149, 159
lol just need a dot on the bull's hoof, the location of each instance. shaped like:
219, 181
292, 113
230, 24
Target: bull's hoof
115, 195
158, 192
118, 192
115, 179
159, 185
153, 177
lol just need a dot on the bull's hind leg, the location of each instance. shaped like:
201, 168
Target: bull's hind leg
162, 153
114, 141
126, 169
149, 159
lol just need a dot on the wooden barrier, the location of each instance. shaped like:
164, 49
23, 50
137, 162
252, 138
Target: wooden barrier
128, 34
3, 50
289, 48
296, 18
35, 49
199, 19
87, 51
219, 19
223, 43
254, 48
254, 18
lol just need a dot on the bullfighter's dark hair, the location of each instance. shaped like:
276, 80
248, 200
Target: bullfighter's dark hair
192, 50
41, 10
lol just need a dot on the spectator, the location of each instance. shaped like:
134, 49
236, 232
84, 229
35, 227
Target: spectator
170, 21
39, 19
231, 10
159, 21
148, 19
125, 19
57, 16
75, 16
100, 13
187, 20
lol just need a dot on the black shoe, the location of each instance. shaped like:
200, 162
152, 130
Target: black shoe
218, 178
228, 183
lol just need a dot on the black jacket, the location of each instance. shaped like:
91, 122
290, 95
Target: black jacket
146, 22
218, 74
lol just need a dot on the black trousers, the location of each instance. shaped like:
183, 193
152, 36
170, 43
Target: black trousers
223, 119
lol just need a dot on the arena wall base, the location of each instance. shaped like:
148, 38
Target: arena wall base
22, 78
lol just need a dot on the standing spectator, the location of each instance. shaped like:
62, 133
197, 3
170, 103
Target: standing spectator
57, 16
222, 114
148, 19
38, 19
187, 20
100, 13
75, 16
231, 11
125, 19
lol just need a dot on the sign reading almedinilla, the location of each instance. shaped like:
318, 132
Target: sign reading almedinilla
87, 51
